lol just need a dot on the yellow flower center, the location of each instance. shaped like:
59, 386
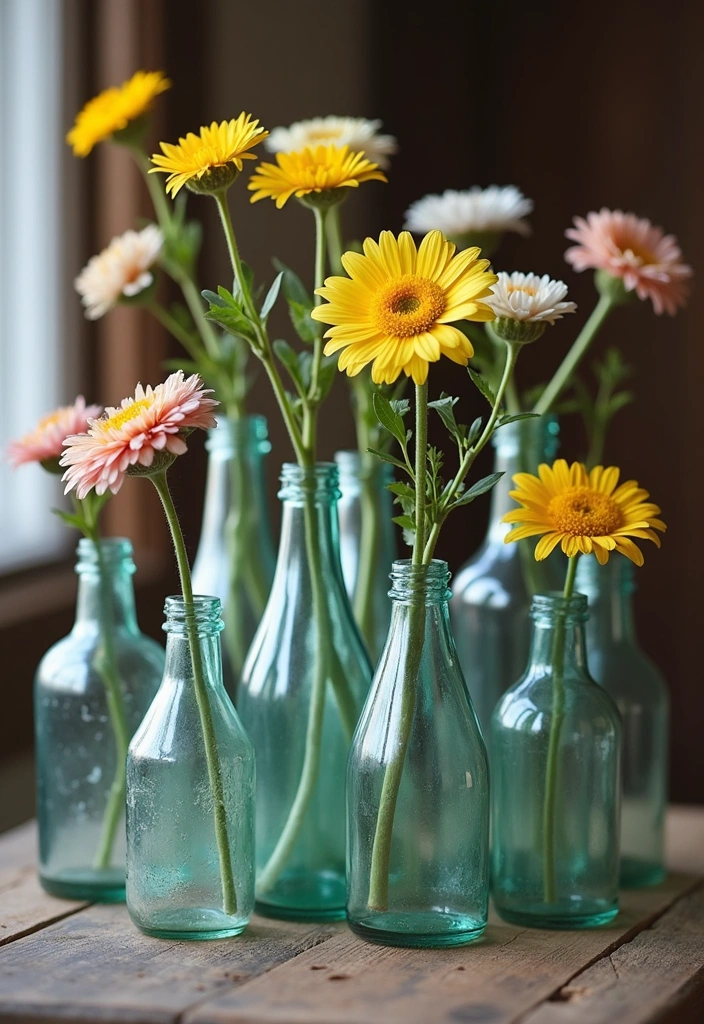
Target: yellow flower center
582, 512
207, 157
407, 306
526, 289
125, 415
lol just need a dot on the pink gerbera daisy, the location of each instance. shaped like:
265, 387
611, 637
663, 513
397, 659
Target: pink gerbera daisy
648, 261
46, 441
155, 420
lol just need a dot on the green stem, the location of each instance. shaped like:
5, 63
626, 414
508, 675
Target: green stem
572, 359
334, 235
107, 667
174, 328
369, 550
238, 551
558, 708
467, 462
191, 294
420, 470
206, 716
157, 194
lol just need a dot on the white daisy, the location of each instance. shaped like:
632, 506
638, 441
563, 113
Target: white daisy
529, 298
475, 211
361, 135
121, 269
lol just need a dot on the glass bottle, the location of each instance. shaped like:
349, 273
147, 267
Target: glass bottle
91, 691
174, 877
303, 685
640, 693
428, 885
491, 598
235, 558
556, 749
370, 598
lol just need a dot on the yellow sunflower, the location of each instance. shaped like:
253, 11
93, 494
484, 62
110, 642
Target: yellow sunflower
583, 511
114, 109
396, 307
320, 170
211, 160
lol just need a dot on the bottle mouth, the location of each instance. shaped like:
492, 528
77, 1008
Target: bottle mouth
301, 483
573, 609
113, 551
231, 435
205, 614
411, 582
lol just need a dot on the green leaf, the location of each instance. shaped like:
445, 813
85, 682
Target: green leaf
444, 406
327, 375
187, 365
305, 327
389, 418
515, 416
290, 359
483, 386
618, 401
70, 519
213, 299
271, 296
233, 320
481, 487
474, 431
293, 288
405, 521
401, 490
386, 457
399, 405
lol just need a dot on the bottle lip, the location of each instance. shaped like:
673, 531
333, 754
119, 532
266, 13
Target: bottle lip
574, 609
114, 551
300, 482
544, 428
230, 434
409, 581
206, 614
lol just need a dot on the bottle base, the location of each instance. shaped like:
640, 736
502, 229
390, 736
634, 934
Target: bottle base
94, 886
638, 874
299, 896
418, 930
192, 925
557, 920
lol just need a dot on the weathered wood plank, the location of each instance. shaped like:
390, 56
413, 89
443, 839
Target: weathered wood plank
658, 975
96, 966
347, 981
18, 847
25, 907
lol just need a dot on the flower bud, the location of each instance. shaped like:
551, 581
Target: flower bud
517, 332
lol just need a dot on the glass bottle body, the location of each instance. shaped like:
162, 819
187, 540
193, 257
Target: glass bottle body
235, 558
556, 748
640, 693
302, 688
419, 875
364, 496
91, 691
492, 591
174, 873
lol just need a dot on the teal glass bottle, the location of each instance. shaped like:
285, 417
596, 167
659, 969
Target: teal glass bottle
91, 691
492, 591
302, 689
364, 487
235, 558
418, 848
175, 885
556, 749
640, 693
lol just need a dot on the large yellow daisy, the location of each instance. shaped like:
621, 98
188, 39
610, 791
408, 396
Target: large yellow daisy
396, 307
211, 160
114, 109
584, 512
322, 169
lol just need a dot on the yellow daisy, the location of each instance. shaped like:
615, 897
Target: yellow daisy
395, 308
211, 160
114, 109
320, 170
584, 512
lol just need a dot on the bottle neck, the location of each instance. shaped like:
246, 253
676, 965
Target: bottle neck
420, 621
105, 589
309, 515
207, 624
558, 636
519, 448
236, 450
609, 589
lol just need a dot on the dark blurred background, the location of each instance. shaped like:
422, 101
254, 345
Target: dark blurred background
579, 105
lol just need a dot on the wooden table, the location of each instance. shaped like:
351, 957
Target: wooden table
63, 961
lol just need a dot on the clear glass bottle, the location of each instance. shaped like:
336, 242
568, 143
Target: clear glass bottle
419, 877
640, 693
91, 691
174, 877
235, 558
369, 596
491, 598
556, 787
303, 685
